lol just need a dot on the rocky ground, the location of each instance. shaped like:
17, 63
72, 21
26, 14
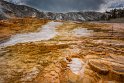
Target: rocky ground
88, 52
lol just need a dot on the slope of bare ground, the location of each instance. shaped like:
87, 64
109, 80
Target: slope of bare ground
79, 53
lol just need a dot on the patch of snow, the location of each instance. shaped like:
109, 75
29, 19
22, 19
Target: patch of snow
47, 32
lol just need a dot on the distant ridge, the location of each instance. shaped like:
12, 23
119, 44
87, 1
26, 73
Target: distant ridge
10, 10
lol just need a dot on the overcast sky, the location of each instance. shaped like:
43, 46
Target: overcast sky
67, 5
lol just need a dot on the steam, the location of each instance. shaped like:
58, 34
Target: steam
109, 3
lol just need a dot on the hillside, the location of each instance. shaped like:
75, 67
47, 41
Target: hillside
10, 10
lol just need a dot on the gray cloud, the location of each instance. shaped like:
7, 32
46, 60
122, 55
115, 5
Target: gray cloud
64, 5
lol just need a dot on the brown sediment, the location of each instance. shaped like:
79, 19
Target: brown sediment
47, 61
111, 68
28, 59
19, 25
98, 67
